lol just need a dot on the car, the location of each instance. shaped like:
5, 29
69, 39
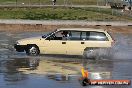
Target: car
67, 41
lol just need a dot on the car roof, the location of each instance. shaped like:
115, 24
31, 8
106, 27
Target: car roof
82, 29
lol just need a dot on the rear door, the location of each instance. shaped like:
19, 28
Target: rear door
79, 40
76, 43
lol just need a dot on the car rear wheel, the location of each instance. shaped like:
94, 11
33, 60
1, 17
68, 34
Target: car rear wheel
32, 50
90, 53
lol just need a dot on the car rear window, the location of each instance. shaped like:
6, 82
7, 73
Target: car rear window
97, 36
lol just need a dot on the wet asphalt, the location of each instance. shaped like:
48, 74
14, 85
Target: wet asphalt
17, 70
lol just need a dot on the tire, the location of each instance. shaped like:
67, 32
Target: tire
97, 53
90, 53
32, 51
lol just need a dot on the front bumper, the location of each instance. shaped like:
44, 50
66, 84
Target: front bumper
20, 48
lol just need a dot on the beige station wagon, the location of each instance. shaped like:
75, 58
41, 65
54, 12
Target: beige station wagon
70, 41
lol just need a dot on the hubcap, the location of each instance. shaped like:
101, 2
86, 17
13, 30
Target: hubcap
33, 51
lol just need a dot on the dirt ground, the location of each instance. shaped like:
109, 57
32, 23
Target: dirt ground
45, 28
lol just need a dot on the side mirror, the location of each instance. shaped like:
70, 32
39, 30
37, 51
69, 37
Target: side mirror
43, 36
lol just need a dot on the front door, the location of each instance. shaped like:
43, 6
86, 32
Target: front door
55, 44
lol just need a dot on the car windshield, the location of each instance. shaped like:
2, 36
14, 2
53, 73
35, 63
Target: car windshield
47, 34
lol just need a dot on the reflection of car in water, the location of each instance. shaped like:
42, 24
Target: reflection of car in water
11, 68
24, 63
16, 69
70, 41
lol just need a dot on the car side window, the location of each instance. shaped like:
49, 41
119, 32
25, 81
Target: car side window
60, 35
97, 36
78, 35
74, 35
83, 36
52, 37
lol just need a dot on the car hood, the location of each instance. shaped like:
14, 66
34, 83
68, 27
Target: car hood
30, 40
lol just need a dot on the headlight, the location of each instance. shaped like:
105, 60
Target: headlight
17, 43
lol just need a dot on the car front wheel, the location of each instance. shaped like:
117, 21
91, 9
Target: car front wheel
32, 50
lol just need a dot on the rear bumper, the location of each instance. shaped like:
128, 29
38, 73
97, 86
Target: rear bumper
20, 48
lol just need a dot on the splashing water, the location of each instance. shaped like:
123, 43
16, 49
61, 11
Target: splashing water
122, 49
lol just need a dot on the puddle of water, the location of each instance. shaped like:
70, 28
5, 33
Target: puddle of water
19, 70
58, 77
28, 34
24, 71
123, 47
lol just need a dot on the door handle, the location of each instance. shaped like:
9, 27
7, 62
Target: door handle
82, 42
63, 42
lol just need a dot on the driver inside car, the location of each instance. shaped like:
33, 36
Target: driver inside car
65, 35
